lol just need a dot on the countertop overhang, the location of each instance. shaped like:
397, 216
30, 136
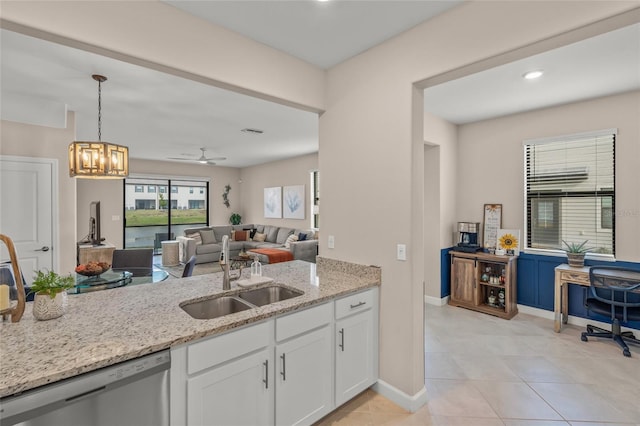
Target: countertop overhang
107, 327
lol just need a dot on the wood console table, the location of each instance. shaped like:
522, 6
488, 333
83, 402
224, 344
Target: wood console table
89, 252
565, 275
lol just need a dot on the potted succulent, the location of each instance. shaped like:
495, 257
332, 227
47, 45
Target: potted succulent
576, 252
235, 219
50, 290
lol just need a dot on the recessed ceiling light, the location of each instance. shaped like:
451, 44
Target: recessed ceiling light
532, 75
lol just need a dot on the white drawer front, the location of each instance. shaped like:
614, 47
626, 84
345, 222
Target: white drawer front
302, 321
218, 349
354, 303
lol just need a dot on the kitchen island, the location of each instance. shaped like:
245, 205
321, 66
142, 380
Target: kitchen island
107, 327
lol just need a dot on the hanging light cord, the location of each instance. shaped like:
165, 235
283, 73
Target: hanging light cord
99, 111
100, 79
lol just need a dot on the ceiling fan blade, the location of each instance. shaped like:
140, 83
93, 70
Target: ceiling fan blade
182, 159
216, 159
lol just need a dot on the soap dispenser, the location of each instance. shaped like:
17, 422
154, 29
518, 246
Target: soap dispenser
256, 268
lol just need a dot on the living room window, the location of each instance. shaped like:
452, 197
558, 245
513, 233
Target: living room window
315, 199
162, 214
570, 191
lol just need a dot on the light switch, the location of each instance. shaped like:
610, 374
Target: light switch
332, 241
402, 252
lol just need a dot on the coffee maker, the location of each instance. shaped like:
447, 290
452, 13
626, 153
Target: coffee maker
467, 235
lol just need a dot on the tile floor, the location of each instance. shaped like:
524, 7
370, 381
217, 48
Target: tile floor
485, 371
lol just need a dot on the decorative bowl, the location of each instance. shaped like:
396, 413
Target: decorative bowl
92, 269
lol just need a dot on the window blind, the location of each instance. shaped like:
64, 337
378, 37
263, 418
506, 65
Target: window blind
570, 191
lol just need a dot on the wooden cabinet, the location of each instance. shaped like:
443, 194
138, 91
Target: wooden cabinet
304, 365
287, 370
237, 393
304, 388
356, 363
485, 283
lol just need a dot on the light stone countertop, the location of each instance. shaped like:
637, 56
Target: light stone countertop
107, 327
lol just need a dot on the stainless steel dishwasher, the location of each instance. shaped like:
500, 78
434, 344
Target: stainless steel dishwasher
134, 392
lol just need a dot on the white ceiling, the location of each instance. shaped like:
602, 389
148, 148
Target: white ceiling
161, 116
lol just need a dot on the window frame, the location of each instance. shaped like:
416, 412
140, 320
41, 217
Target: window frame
611, 193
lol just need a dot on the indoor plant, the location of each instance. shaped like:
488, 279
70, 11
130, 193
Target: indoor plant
576, 252
235, 219
50, 299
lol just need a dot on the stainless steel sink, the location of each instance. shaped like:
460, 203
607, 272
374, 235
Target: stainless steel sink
216, 307
266, 295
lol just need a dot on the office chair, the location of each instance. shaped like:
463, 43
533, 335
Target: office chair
188, 267
613, 292
137, 261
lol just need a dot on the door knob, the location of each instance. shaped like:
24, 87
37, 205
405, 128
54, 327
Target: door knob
44, 248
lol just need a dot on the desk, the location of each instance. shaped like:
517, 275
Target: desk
565, 275
114, 279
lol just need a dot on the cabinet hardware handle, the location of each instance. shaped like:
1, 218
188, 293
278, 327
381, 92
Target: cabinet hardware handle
283, 373
266, 374
341, 339
358, 305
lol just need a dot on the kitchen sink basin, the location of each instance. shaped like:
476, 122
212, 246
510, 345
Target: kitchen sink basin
214, 308
266, 295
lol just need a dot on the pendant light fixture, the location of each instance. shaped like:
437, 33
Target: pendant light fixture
100, 160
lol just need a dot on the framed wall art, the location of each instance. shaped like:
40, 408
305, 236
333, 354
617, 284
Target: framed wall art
273, 202
508, 240
293, 202
492, 222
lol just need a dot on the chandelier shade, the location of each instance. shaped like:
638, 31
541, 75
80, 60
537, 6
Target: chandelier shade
98, 160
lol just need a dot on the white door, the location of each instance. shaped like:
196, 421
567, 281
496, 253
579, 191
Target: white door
304, 385
26, 211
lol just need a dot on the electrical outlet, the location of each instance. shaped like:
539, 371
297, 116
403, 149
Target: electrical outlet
115, 217
402, 252
332, 242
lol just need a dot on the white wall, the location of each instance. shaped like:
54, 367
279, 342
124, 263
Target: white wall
294, 171
480, 143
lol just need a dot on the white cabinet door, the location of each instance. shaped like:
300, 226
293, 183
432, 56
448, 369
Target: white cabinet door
355, 370
304, 379
238, 393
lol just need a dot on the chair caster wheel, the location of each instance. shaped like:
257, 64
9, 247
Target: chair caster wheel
627, 353
584, 338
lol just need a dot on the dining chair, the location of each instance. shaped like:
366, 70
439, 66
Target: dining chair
188, 267
137, 261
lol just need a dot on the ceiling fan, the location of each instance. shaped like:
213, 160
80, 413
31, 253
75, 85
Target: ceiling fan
202, 160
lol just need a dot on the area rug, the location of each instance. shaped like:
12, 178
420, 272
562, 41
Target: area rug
199, 269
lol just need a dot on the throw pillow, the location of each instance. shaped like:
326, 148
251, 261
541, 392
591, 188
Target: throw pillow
196, 237
240, 236
253, 233
207, 236
302, 237
259, 237
291, 238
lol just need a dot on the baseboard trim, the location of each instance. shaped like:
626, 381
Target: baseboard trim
408, 402
436, 301
577, 321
